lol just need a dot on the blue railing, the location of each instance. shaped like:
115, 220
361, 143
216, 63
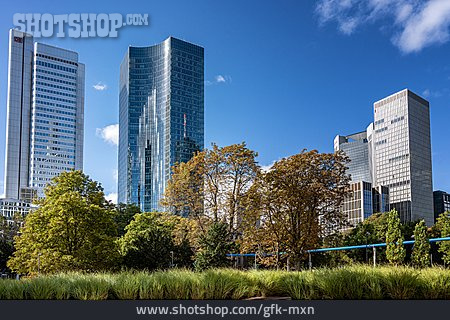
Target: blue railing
373, 246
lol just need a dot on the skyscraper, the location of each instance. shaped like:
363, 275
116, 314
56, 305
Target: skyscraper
356, 147
45, 115
161, 116
402, 154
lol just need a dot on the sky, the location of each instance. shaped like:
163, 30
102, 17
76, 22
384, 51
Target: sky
280, 75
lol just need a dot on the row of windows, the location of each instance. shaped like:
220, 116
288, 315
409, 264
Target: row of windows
46, 103
55, 142
56, 59
38, 76
381, 130
381, 142
67, 162
55, 129
56, 92
44, 115
55, 66
55, 86
53, 98
56, 111
39, 146
57, 155
57, 136
397, 119
56, 74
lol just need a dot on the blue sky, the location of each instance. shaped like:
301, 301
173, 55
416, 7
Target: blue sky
281, 75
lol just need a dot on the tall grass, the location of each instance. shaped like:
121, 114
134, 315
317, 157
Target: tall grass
351, 282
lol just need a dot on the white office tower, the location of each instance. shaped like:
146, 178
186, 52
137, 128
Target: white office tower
45, 115
402, 157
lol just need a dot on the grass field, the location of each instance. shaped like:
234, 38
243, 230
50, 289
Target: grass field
355, 282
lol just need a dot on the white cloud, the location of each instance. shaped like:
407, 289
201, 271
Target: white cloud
218, 79
109, 134
426, 93
100, 86
266, 168
111, 197
414, 24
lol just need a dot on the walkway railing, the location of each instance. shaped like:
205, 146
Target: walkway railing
363, 246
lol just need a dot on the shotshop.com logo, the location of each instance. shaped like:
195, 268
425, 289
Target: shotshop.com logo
76, 25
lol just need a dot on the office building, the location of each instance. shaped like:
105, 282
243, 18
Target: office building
161, 117
362, 201
441, 203
10, 207
45, 115
356, 147
402, 154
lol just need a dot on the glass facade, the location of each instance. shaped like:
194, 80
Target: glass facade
402, 159
45, 115
356, 147
441, 203
161, 117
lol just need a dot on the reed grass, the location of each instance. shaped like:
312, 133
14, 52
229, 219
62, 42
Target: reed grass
350, 282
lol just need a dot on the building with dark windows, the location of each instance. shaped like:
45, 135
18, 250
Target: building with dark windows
45, 117
402, 154
161, 117
441, 203
362, 201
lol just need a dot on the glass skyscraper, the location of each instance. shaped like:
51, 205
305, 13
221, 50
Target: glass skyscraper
45, 115
402, 160
161, 117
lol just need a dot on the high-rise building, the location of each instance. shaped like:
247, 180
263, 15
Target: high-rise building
362, 201
441, 203
356, 147
402, 154
45, 115
161, 117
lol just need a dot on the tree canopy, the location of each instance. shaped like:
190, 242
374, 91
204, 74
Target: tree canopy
73, 229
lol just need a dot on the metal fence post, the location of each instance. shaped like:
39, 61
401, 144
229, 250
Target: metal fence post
374, 256
310, 261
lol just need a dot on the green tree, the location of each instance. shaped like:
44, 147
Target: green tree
8, 230
443, 224
214, 247
73, 229
124, 215
147, 243
395, 251
421, 249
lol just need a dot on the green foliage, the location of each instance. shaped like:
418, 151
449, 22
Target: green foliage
153, 239
147, 243
214, 246
73, 229
395, 251
443, 224
124, 215
8, 230
421, 250
350, 282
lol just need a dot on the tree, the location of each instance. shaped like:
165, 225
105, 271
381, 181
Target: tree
147, 243
153, 240
214, 247
124, 215
395, 251
213, 184
8, 230
298, 202
443, 224
73, 229
421, 249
